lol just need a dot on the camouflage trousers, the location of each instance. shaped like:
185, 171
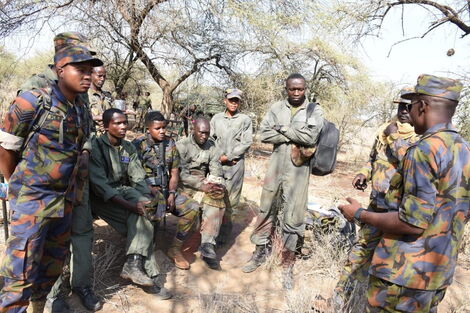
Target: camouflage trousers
211, 217
234, 185
211, 222
138, 230
383, 296
34, 257
359, 258
187, 211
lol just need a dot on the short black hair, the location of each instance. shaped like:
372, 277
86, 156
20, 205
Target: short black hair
154, 116
295, 76
108, 115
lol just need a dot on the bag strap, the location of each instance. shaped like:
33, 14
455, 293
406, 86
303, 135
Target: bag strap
310, 108
44, 102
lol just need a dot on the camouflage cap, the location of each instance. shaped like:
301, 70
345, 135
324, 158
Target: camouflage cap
75, 54
403, 92
233, 93
65, 39
435, 86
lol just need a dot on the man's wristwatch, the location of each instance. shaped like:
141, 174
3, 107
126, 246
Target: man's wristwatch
172, 192
357, 216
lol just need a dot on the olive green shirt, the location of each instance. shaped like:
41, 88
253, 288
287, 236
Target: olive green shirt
197, 162
115, 166
233, 135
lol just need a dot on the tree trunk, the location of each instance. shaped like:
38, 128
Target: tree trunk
167, 100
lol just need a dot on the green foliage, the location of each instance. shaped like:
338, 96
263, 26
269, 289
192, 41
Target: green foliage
14, 72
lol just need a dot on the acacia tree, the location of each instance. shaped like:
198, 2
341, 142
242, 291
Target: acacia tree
368, 16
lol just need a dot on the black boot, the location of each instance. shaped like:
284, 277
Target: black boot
158, 290
258, 258
59, 305
133, 270
208, 250
88, 298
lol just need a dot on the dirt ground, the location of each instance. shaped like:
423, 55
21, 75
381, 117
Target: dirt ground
201, 289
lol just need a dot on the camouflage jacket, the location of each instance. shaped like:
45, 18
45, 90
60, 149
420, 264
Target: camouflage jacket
384, 159
114, 166
44, 177
196, 163
42, 80
431, 191
148, 151
100, 101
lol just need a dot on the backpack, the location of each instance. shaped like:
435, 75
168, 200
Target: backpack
44, 102
323, 161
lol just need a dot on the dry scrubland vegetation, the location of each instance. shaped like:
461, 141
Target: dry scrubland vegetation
188, 51
202, 290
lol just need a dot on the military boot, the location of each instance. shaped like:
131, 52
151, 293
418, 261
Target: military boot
59, 305
36, 306
175, 254
287, 262
258, 258
158, 290
133, 270
208, 250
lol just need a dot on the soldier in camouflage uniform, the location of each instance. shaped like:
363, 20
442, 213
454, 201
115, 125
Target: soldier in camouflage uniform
163, 178
200, 159
119, 195
100, 100
391, 142
49, 75
43, 166
232, 133
286, 126
428, 203
144, 104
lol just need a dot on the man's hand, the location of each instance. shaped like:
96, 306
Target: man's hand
223, 159
206, 187
392, 128
139, 207
170, 202
154, 190
350, 209
277, 127
83, 161
360, 182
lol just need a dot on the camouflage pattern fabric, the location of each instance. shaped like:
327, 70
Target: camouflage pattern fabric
100, 101
147, 150
385, 297
384, 160
44, 177
33, 259
283, 178
430, 190
41, 192
75, 54
65, 39
196, 163
435, 86
43, 80
185, 208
